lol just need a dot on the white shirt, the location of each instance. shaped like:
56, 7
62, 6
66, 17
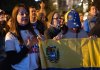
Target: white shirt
11, 43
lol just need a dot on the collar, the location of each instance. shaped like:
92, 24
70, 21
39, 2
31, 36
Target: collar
25, 27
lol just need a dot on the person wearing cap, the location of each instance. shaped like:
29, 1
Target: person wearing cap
3, 30
74, 26
2, 15
3, 24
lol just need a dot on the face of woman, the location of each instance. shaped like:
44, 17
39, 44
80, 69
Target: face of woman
93, 10
22, 16
81, 17
56, 20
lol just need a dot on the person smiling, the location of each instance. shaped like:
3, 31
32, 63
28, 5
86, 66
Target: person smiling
21, 40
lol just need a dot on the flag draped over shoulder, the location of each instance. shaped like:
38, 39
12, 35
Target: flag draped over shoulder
70, 54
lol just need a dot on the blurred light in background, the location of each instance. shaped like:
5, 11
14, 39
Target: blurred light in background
85, 7
37, 0
55, 3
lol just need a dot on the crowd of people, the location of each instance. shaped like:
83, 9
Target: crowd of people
21, 32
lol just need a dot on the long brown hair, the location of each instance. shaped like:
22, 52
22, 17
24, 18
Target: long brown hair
14, 25
50, 18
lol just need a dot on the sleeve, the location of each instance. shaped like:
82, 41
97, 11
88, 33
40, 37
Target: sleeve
9, 42
13, 57
86, 26
41, 27
48, 34
64, 29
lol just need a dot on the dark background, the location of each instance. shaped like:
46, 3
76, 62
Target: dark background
7, 5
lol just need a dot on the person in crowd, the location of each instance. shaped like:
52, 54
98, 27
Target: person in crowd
54, 30
38, 26
62, 20
74, 26
54, 23
2, 15
3, 23
95, 31
42, 15
90, 22
63, 25
7, 17
3, 30
81, 14
21, 41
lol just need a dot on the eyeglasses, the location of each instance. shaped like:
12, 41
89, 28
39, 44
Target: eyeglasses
61, 18
56, 18
22, 13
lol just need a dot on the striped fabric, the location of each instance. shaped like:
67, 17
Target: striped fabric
70, 54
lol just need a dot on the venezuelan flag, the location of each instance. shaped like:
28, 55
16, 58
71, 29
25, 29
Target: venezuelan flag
70, 54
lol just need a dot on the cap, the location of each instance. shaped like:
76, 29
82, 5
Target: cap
73, 20
1, 11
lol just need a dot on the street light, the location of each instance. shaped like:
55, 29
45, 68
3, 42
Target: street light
92, 0
55, 3
37, 0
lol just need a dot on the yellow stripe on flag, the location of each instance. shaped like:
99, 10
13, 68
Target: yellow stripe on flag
73, 53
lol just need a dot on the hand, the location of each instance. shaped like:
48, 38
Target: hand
41, 37
93, 36
29, 43
35, 40
58, 37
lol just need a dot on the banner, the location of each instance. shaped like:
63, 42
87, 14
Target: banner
70, 54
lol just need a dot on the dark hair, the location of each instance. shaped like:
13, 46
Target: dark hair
53, 16
92, 4
41, 2
14, 25
31, 6
81, 13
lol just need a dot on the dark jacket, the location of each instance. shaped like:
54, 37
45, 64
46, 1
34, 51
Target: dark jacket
39, 26
51, 32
